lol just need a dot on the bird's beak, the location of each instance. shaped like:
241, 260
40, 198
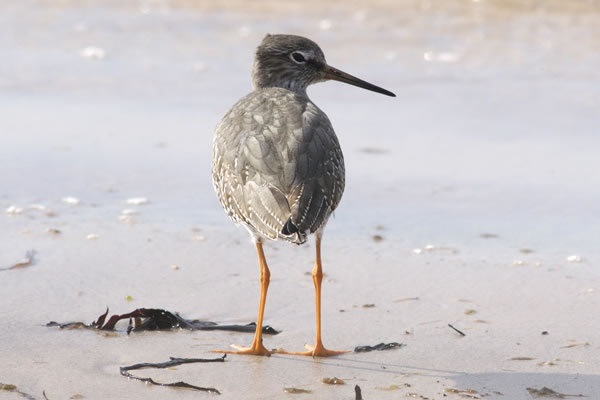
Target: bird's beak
328, 72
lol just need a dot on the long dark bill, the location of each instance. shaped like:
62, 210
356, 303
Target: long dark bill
335, 74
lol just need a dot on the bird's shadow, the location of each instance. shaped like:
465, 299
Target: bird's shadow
506, 385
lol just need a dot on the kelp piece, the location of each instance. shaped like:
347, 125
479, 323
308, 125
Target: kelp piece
357, 393
458, 331
150, 319
379, 347
167, 364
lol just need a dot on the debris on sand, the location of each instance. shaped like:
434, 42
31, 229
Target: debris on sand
93, 53
333, 381
379, 347
13, 388
137, 201
393, 387
151, 319
549, 393
71, 200
293, 390
430, 248
24, 262
489, 236
577, 344
168, 364
460, 332
464, 393
406, 299
357, 393
574, 259
14, 210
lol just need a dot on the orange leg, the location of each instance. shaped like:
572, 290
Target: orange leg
257, 347
317, 274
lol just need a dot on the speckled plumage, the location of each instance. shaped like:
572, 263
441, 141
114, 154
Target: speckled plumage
277, 167
276, 159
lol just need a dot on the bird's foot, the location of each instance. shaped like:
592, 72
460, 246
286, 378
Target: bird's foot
317, 351
254, 350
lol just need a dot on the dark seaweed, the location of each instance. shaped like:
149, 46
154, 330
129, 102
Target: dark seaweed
378, 347
150, 319
357, 393
461, 332
167, 364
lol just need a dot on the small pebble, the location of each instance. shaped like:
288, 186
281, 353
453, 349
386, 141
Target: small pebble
574, 259
446, 57
70, 200
137, 201
174, 267
417, 251
92, 236
333, 381
93, 53
13, 210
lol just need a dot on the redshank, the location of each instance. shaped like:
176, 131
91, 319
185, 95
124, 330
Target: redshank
277, 165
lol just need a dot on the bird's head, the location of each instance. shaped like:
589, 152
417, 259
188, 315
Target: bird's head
294, 62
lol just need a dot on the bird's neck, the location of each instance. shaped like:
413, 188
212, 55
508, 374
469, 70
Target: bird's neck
264, 77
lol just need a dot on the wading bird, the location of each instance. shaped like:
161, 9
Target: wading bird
277, 165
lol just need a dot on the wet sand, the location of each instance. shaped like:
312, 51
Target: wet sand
471, 200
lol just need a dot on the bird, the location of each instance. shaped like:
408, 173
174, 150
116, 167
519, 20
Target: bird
277, 166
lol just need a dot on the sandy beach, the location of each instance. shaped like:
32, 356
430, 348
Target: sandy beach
471, 200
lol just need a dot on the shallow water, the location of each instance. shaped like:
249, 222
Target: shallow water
489, 150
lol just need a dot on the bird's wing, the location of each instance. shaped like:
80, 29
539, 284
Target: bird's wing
277, 165
319, 169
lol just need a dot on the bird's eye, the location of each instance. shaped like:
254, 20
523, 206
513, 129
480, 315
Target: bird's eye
298, 57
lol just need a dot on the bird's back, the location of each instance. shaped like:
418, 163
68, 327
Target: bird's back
277, 165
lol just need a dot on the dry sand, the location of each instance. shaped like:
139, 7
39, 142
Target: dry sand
466, 196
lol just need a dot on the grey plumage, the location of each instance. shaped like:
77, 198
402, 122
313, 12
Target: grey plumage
277, 161
277, 166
